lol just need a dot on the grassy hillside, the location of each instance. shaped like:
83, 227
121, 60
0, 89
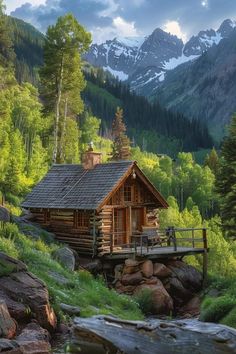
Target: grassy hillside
78, 288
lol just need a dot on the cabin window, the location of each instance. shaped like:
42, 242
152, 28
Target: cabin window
83, 219
128, 194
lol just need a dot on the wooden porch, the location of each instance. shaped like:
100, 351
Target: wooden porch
169, 243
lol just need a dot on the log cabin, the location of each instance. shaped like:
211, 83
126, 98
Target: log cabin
95, 207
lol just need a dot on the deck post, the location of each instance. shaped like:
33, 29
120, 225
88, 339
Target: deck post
174, 239
205, 256
204, 267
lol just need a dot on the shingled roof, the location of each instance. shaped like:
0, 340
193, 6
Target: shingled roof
73, 187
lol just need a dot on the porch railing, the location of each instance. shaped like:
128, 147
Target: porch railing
173, 238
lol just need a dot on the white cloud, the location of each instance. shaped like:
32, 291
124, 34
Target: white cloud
119, 28
173, 27
124, 28
11, 5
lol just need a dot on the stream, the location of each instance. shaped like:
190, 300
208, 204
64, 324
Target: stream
106, 334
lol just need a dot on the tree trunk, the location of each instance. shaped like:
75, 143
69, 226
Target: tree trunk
57, 112
63, 132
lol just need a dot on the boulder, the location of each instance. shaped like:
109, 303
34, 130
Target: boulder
161, 302
66, 257
161, 271
20, 286
34, 339
70, 310
152, 280
128, 289
189, 276
130, 269
16, 309
192, 308
147, 268
118, 271
7, 324
4, 214
177, 291
131, 262
9, 346
94, 267
132, 279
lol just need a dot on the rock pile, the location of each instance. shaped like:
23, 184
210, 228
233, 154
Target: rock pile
173, 285
26, 317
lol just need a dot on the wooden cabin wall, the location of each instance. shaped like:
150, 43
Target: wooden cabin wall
69, 227
104, 229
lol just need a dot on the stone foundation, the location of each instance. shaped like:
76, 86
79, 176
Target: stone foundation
173, 284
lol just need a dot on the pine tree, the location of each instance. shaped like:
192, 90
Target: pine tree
226, 181
121, 143
61, 77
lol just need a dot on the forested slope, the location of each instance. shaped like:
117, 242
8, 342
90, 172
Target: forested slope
149, 125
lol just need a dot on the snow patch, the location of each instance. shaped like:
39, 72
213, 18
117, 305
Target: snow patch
131, 41
174, 62
209, 41
118, 74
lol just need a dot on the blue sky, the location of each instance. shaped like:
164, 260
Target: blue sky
110, 18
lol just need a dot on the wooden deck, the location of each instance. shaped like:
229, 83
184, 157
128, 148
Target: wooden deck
152, 253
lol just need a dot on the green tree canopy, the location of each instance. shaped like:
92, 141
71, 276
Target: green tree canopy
61, 76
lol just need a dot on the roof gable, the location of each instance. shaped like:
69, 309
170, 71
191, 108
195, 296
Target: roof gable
73, 187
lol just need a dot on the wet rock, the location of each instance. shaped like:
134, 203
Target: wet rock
147, 268
7, 324
21, 286
161, 302
132, 279
189, 276
66, 257
161, 271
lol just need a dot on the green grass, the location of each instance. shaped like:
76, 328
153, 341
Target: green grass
80, 289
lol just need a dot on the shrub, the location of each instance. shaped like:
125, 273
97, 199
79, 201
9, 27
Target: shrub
230, 318
217, 309
144, 300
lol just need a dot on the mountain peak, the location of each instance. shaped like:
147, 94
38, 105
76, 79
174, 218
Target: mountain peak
226, 27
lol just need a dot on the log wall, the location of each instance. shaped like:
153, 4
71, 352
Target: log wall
64, 224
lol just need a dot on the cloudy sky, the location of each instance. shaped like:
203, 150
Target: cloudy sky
110, 18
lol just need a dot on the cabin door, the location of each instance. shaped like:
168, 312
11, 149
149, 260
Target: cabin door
119, 227
137, 220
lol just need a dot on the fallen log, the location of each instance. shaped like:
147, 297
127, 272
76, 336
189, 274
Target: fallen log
105, 334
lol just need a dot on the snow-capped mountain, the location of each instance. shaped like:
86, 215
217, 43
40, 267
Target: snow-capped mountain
144, 62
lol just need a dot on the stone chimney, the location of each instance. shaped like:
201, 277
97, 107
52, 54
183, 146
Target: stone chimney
90, 158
